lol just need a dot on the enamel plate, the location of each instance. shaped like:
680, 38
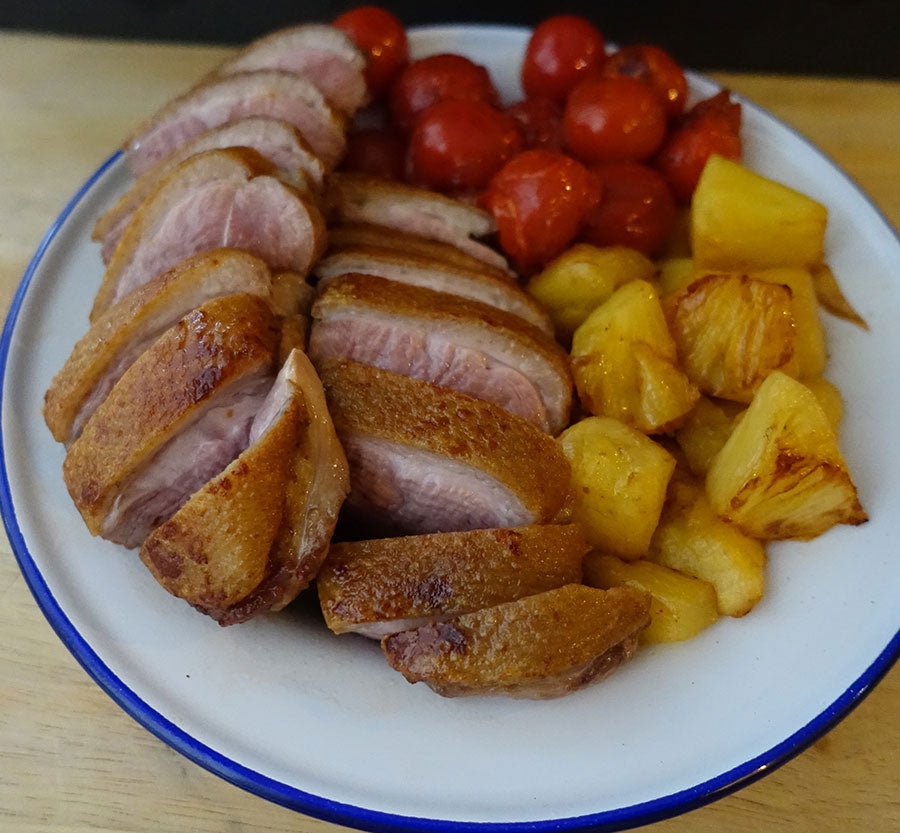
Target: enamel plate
319, 723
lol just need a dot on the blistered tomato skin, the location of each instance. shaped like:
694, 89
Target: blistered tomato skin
438, 77
561, 52
712, 126
376, 152
613, 120
636, 208
460, 145
654, 66
382, 37
539, 121
540, 200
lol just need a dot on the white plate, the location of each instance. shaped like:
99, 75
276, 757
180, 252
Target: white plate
320, 723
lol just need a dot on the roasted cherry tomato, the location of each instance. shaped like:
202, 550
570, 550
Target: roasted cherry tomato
636, 208
539, 199
561, 52
539, 121
377, 152
712, 126
460, 145
655, 66
429, 80
382, 37
613, 120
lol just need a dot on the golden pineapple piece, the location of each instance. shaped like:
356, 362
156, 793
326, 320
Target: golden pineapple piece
829, 398
706, 430
692, 539
675, 274
731, 332
619, 480
624, 362
742, 221
582, 278
830, 296
680, 606
781, 475
809, 334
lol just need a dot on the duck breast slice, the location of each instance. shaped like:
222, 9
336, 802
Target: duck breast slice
437, 275
357, 198
179, 415
387, 585
224, 99
538, 647
323, 54
249, 540
215, 199
279, 142
448, 340
429, 459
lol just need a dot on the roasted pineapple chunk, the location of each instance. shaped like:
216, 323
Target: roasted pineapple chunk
624, 362
830, 296
692, 539
705, 431
680, 606
731, 332
619, 480
742, 221
582, 278
829, 398
675, 274
781, 475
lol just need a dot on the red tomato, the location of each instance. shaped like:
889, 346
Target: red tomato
377, 152
460, 145
539, 199
561, 52
636, 208
382, 38
656, 67
539, 121
712, 126
613, 120
429, 80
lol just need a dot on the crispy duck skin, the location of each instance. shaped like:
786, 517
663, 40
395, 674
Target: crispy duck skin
387, 585
481, 285
224, 99
218, 198
279, 142
538, 647
357, 198
323, 54
369, 236
176, 417
254, 536
450, 341
129, 327
429, 459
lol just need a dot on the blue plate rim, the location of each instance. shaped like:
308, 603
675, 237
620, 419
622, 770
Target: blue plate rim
360, 817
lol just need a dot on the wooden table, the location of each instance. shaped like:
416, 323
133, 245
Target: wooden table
70, 759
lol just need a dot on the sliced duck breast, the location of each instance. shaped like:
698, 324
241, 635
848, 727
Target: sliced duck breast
249, 540
224, 99
368, 236
357, 198
129, 327
387, 585
179, 415
215, 199
538, 647
429, 459
323, 54
438, 275
279, 142
451, 341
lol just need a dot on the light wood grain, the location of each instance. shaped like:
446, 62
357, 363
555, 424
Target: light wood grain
70, 760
